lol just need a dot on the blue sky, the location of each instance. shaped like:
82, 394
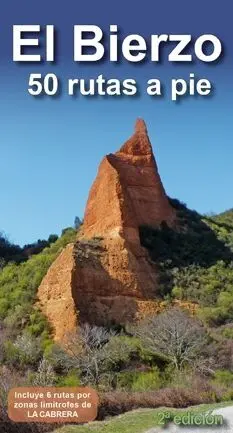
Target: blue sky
50, 148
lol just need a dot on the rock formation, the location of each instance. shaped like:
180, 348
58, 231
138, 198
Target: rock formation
107, 276
128, 191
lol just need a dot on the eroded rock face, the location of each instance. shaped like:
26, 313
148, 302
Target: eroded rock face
128, 191
107, 275
55, 294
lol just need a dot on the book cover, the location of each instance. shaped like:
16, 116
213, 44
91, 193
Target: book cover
116, 222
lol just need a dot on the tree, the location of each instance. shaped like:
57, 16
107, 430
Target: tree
88, 352
9, 251
77, 222
8, 379
2, 263
52, 238
45, 375
174, 334
3, 336
28, 349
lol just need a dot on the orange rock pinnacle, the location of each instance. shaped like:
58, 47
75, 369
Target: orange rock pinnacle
107, 276
128, 191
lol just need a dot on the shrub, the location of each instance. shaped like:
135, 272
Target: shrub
139, 380
224, 377
22, 353
147, 381
115, 403
175, 334
71, 379
19, 284
228, 332
177, 292
121, 350
4, 306
228, 396
45, 375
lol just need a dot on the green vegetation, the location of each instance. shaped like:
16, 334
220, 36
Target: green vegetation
172, 359
8, 251
137, 421
18, 314
14, 253
19, 283
196, 261
147, 381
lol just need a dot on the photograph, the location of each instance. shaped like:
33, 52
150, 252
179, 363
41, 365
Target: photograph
116, 221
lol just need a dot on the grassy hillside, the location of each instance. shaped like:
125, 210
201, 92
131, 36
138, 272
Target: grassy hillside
135, 422
173, 359
195, 261
18, 289
10, 252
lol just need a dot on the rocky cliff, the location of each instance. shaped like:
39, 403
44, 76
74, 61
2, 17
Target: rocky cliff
107, 276
128, 191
